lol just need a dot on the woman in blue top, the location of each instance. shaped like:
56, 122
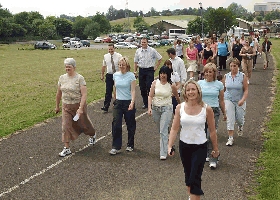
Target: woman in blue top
124, 93
236, 92
222, 53
213, 96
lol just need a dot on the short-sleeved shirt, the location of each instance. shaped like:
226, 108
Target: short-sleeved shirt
192, 53
107, 61
179, 50
222, 49
146, 58
123, 85
210, 92
71, 88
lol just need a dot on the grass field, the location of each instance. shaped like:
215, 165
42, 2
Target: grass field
268, 176
29, 81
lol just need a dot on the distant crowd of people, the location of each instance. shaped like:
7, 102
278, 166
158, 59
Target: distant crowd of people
194, 106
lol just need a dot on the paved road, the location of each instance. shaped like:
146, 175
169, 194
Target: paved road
31, 169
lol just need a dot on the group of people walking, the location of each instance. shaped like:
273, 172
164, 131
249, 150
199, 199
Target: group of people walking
196, 117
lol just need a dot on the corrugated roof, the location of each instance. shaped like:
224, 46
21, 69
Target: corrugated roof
180, 23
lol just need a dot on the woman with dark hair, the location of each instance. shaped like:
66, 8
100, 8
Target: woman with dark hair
179, 49
160, 105
236, 48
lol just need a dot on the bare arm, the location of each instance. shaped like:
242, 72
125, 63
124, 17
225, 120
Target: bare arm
102, 73
150, 97
245, 91
133, 85
175, 93
83, 99
58, 98
222, 104
157, 65
174, 128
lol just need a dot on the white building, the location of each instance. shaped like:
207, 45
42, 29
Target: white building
267, 6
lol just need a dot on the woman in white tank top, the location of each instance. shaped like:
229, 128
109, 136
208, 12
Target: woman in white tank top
160, 105
191, 116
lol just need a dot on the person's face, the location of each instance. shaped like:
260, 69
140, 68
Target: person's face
122, 66
209, 75
144, 44
169, 55
191, 91
169, 66
191, 43
111, 49
163, 76
69, 69
246, 43
214, 35
233, 67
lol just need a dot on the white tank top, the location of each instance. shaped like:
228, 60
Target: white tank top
163, 94
192, 131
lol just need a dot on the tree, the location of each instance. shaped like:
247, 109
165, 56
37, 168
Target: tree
111, 14
140, 24
63, 27
117, 28
47, 30
92, 30
79, 26
105, 26
259, 18
195, 26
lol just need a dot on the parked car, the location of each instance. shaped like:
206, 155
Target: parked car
164, 42
125, 45
164, 37
153, 43
98, 40
44, 45
85, 43
73, 44
129, 39
65, 39
107, 40
75, 39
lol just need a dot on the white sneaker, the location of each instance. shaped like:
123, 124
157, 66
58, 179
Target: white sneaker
129, 149
248, 82
92, 140
162, 157
240, 131
114, 151
213, 165
207, 159
229, 142
65, 152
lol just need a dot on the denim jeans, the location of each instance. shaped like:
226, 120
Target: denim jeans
162, 116
235, 113
146, 77
216, 111
120, 110
109, 89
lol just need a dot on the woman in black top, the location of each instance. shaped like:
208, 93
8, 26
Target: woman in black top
236, 48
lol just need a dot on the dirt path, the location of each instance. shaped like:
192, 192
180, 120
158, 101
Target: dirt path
31, 169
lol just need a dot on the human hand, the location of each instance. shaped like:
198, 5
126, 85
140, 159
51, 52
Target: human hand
136, 75
240, 103
57, 110
149, 111
131, 105
215, 154
102, 77
80, 111
225, 117
171, 151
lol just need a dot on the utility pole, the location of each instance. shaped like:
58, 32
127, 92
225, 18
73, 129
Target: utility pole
127, 16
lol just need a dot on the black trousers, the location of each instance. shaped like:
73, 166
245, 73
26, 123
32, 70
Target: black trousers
146, 78
109, 89
222, 62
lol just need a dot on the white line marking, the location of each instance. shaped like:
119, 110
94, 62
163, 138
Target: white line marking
57, 163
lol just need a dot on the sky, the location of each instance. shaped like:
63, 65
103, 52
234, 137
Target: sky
90, 7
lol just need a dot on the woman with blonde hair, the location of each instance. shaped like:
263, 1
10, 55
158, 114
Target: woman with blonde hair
213, 96
191, 116
192, 59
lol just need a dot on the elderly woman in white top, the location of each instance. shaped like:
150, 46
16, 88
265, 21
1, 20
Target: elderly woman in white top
160, 105
191, 116
73, 92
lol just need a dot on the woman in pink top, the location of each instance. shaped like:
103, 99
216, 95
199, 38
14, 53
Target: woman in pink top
192, 59
214, 48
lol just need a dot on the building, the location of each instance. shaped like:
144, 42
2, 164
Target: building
266, 7
165, 25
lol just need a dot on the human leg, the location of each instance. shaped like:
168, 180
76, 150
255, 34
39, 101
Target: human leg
129, 117
213, 161
149, 80
109, 89
264, 56
240, 112
230, 111
142, 84
117, 125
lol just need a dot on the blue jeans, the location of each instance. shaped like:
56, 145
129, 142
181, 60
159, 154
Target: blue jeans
146, 77
162, 116
120, 110
216, 111
109, 89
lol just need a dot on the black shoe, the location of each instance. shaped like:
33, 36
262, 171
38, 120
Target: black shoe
144, 107
104, 109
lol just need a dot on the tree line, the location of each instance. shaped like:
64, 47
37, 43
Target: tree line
33, 25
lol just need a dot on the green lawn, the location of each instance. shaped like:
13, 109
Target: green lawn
267, 175
29, 81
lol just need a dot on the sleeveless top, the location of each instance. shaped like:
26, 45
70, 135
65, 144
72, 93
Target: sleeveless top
207, 54
163, 94
192, 126
234, 87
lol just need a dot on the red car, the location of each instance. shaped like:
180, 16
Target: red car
107, 40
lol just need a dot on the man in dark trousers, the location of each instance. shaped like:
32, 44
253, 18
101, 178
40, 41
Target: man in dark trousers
145, 59
110, 63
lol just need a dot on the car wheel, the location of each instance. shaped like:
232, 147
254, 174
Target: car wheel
75, 46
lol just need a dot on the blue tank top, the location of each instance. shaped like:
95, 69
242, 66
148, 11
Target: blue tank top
234, 87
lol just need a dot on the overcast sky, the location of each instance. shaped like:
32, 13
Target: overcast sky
90, 7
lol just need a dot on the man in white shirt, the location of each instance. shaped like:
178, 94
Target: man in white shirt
111, 64
178, 65
145, 58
